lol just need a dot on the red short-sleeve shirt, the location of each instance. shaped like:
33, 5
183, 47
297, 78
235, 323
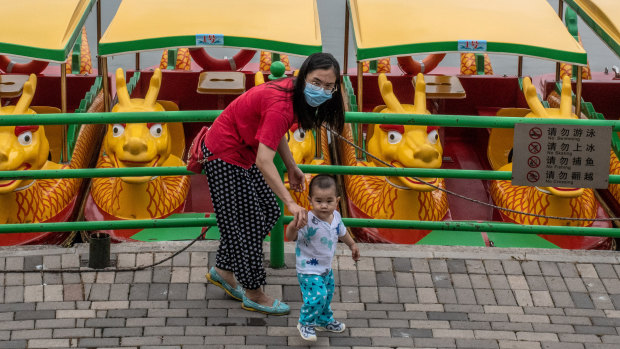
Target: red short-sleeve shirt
261, 115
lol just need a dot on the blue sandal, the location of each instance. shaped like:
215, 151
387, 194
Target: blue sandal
217, 280
278, 307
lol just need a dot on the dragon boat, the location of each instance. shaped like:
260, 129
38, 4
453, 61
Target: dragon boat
475, 30
600, 90
187, 78
53, 33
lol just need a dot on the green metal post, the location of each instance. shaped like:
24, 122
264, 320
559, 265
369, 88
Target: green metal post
172, 59
277, 233
372, 67
75, 56
479, 64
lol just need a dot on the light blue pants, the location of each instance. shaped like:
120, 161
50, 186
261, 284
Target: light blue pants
317, 292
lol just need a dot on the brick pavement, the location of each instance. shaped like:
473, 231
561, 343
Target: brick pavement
396, 296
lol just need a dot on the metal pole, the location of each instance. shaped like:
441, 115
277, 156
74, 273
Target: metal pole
346, 38
137, 61
98, 35
318, 146
557, 65
520, 67
276, 244
578, 93
499, 227
106, 87
329, 169
360, 99
64, 152
453, 120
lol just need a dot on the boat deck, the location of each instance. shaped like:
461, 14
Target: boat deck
395, 296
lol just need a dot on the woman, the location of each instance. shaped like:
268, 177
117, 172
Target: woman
240, 148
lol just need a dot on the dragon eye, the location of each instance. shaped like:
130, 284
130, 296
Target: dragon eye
299, 135
25, 138
394, 137
118, 130
156, 130
433, 136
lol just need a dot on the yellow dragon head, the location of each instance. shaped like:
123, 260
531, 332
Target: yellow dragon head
564, 112
139, 144
302, 145
22, 147
409, 145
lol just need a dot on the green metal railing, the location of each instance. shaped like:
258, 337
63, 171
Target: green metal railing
355, 117
331, 169
277, 251
499, 227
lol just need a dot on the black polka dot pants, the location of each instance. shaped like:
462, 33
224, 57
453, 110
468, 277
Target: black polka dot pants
246, 211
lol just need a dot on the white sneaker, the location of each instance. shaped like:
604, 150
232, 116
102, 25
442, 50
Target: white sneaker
334, 326
307, 332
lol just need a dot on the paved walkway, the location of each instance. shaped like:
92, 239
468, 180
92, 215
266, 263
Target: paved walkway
396, 296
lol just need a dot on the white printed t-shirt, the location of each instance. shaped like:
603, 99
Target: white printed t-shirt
316, 244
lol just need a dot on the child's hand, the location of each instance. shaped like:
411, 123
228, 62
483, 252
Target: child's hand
300, 215
355, 252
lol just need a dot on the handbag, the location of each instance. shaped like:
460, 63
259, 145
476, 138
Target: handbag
195, 156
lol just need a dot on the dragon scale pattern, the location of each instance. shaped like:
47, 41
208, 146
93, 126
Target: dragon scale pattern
165, 193
46, 198
614, 168
531, 200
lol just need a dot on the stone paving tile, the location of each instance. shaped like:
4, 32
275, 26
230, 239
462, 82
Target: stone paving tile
402, 265
423, 279
461, 281
456, 266
480, 281
512, 267
505, 297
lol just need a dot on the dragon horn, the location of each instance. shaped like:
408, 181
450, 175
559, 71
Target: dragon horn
531, 96
259, 79
30, 87
566, 105
151, 95
388, 95
121, 89
419, 98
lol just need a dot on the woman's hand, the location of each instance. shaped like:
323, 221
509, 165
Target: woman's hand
300, 215
296, 179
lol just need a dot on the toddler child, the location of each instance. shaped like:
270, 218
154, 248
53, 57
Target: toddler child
316, 245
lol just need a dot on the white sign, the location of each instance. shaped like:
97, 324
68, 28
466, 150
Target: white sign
572, 156
472, 45
209, 39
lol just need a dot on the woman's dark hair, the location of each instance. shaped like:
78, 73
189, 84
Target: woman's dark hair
332, 111
323, 181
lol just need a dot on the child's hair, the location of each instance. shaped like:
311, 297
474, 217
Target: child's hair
323, 181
